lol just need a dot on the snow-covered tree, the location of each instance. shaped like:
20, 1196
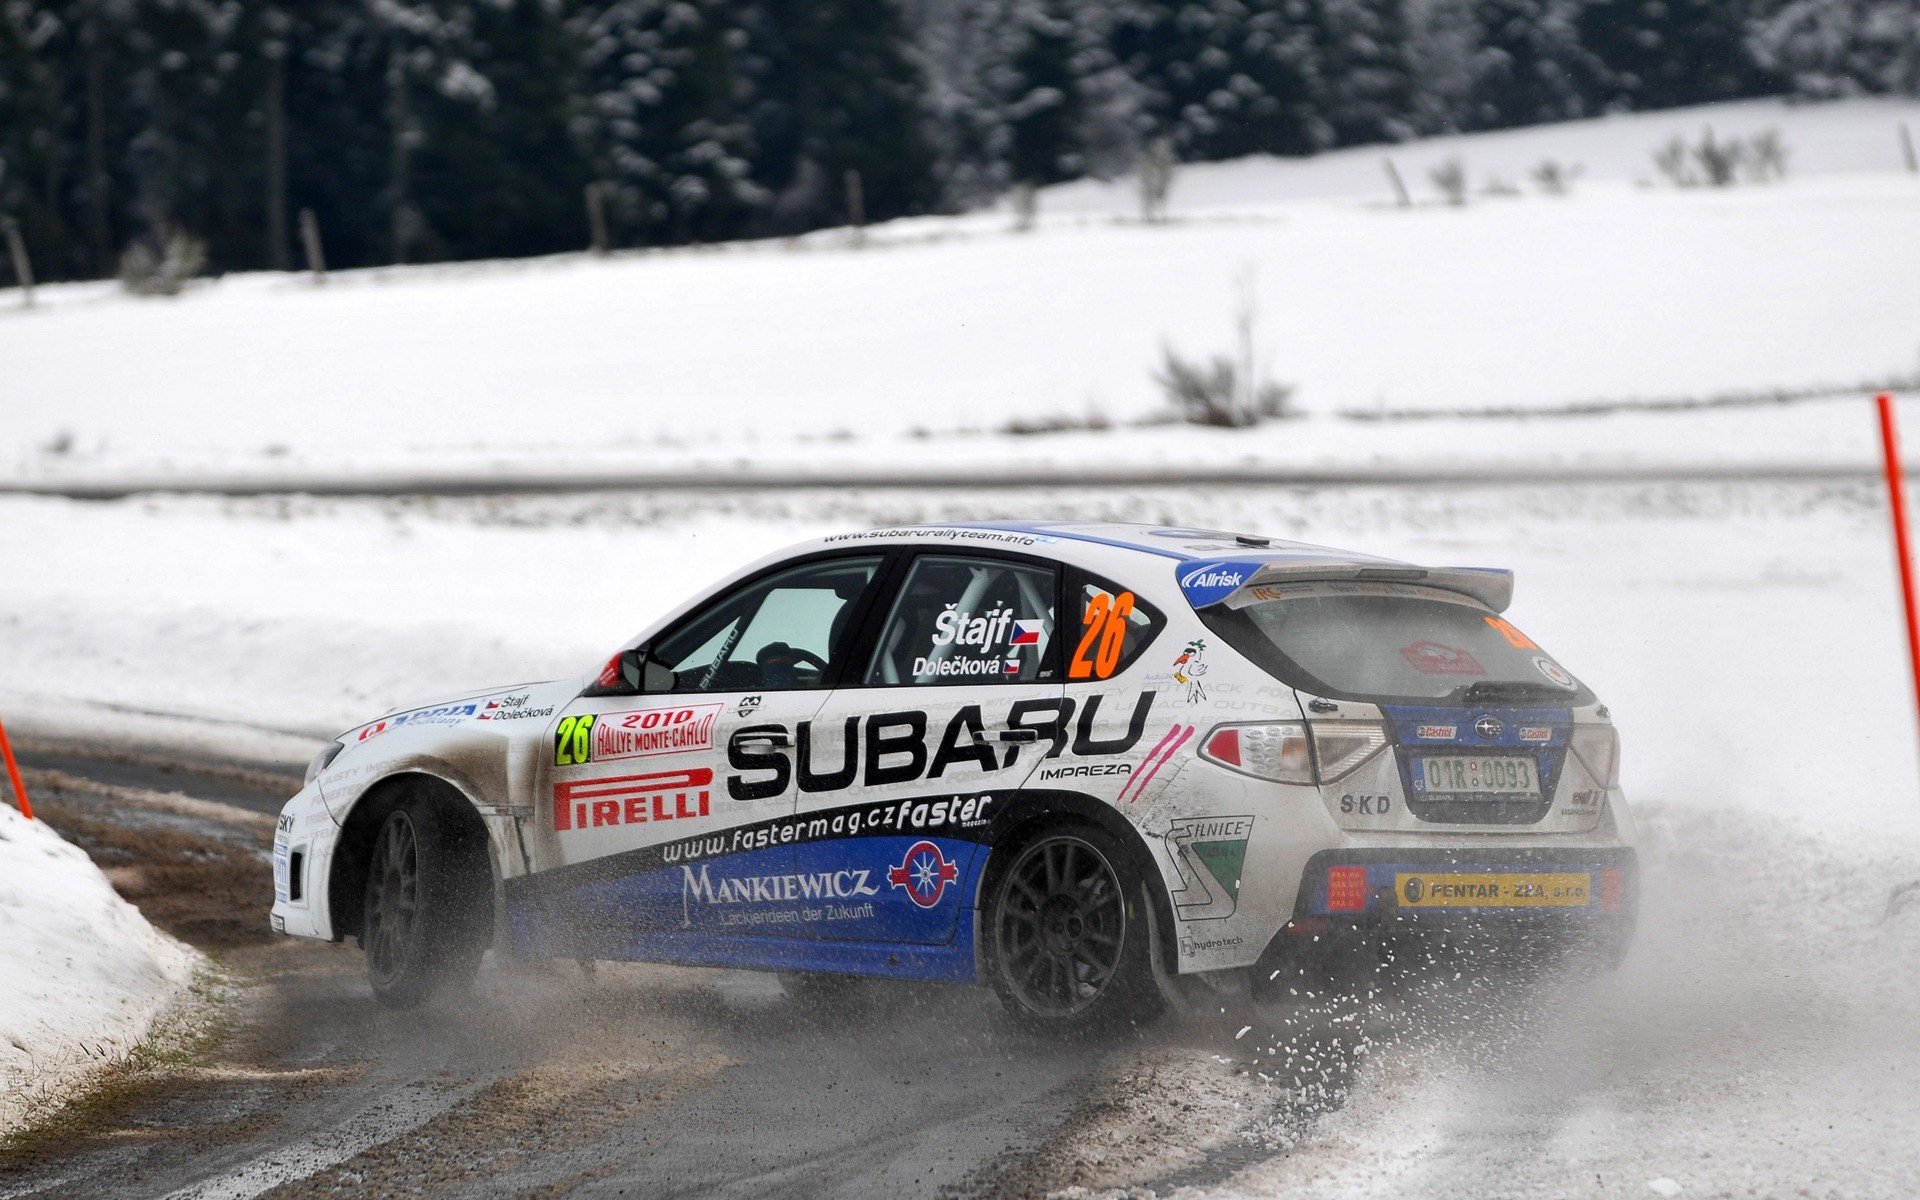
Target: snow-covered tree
665, 114
1842, 47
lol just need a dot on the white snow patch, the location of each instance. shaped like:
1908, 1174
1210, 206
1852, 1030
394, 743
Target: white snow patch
82, 974
1762, 1039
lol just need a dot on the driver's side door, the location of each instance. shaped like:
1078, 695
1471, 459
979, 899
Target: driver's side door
668, 801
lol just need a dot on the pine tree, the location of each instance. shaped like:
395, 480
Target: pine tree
1536, 68
1666, 53
1366, 85
966, 51
1044, 118
665, 110
837, 89
1842, 47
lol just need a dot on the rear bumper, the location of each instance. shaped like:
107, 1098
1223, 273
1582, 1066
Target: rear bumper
1354, 907
1587, 888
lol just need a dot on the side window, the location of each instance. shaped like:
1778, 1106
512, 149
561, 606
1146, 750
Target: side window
777, 634
968, 620
1111, 628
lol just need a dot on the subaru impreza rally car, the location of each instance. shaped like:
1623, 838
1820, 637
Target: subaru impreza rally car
1076, 762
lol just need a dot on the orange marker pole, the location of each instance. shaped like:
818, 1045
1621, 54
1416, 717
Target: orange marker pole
1896, 490
13, 773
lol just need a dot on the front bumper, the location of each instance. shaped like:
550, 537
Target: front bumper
303, 844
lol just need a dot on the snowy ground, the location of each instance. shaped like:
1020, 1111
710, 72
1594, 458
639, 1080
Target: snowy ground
1744, 633
84, 974
813, 353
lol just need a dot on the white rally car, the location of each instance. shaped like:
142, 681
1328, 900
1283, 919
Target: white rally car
1077, 762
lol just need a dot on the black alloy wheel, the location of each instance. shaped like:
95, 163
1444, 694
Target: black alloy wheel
426, 917
1068, 946
391, 919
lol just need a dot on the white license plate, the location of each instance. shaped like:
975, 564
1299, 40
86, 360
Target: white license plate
1477, 775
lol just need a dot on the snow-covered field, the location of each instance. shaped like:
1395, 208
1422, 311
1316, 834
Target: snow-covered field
814, 353
82, 974
1745, 633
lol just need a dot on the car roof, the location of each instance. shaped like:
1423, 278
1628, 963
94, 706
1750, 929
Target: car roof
1179, 542
1223, 562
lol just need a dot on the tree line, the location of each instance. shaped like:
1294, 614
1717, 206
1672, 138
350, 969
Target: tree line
419, 130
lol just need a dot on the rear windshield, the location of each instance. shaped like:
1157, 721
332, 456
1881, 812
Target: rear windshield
1391, 642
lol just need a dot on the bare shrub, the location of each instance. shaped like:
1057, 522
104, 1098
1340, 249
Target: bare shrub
145, 271
1555, 178
1760, 158
1766, 156
1026, 206
1671, 159
1155, 171
1451, 178
1496, 186
1720, 160
1224, 392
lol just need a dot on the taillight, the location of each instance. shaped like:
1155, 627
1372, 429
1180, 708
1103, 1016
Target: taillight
1342, 747
1598, 749
1271, 750
1286, 751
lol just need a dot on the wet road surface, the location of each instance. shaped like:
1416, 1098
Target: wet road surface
549, 1079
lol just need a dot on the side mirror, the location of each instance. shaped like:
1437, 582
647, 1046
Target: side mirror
640, 672
631, 673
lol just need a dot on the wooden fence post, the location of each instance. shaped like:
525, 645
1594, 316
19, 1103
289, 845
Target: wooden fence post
597, 216
310, 239
1399, 188
22, 268
856, 206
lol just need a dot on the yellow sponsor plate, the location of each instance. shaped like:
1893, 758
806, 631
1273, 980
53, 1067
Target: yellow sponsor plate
1440, 890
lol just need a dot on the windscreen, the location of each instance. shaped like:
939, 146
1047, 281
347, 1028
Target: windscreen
1391, 642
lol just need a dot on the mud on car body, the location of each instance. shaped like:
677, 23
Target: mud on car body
1080, 763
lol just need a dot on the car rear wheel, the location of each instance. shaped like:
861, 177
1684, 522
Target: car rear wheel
422, 926
1067, 936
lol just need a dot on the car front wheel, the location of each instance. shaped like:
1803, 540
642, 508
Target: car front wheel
421, 926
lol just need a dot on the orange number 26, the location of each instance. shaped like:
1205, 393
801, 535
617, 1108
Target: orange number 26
1106, 623
1516, 639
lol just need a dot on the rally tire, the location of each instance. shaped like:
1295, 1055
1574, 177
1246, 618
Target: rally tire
1068, 946
424, 925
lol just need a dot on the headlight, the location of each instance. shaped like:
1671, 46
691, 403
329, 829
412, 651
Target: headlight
320, 760
1598, 749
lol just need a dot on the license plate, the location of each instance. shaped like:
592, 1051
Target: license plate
1479, 775
1460, 890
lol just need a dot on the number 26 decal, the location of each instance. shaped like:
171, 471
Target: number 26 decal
1105, 619
572, 742
1516, 639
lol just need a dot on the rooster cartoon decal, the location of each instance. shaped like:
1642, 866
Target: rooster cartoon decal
1189, 667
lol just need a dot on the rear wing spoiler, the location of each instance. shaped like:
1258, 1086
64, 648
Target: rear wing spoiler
1209, 583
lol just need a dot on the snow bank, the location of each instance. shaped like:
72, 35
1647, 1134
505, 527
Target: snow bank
82, 974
